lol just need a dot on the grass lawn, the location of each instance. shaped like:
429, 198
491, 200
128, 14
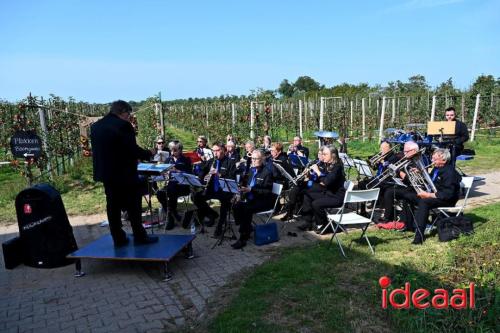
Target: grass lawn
314, 289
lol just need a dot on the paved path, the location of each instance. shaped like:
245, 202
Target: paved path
130, 297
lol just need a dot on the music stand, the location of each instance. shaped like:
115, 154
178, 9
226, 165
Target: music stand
441, 128
193, 182
285, 174
363, 168
151, 171
230, 186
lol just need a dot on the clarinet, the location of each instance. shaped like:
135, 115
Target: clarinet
208, 177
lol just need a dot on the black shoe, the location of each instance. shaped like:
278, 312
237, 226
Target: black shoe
218, 232
123, 242
145, 240
417, 241
211, 220
170, 223
239, 244
305, 226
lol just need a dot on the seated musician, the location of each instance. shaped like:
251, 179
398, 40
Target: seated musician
395, 191
266, 145
231, 151
461, 133
257, 196
218, 167
296, 193
447, 182
202, 150
329, 194
278, 156
161, 152
169, 194
387, 157
246, 161
297, 148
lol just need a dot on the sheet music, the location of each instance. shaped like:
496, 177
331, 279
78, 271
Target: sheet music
228, 185
363, 168
284, 173
186, 179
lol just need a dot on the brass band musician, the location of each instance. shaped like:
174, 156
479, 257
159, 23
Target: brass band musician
296, 193
329, 194
216, 168
447, 183
257, 197
169, 194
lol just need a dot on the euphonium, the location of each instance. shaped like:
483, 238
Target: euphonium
419, 178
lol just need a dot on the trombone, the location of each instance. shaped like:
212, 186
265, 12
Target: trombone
377, 158
393, 169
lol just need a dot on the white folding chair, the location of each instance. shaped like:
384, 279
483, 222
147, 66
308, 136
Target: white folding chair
268, 214
348, 185
457, 210
345, 219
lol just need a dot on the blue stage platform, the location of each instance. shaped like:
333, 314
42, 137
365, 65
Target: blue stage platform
167, 247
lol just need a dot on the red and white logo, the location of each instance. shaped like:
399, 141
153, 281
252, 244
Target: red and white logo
423, 298
27, 209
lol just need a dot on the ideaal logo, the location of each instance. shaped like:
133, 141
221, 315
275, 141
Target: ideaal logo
440, 299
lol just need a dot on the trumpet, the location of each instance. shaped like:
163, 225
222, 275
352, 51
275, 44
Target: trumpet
379, 157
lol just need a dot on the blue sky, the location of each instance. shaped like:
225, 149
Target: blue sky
99, 51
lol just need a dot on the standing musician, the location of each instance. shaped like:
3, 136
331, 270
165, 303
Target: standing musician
169, 194
278, 156
258, 197
231, 151
218, 167
329, 194
296, 193
461, 133
395, 191
447, 182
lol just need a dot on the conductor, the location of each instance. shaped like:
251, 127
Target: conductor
115, 155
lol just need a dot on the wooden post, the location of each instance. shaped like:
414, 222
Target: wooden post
474, 120
162, 123
463, 108
433, 110
381, 128
45, 132
252, 113
233, 116
321, 113
393, 114
281, 113
363, 116
301, 106
352, 111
